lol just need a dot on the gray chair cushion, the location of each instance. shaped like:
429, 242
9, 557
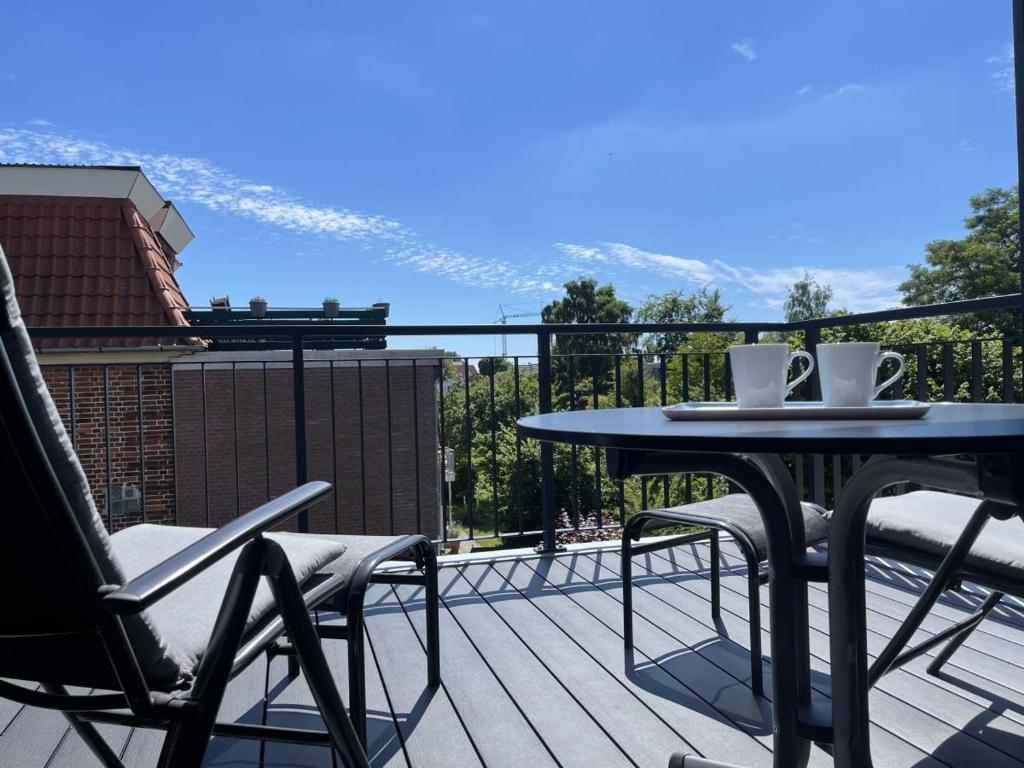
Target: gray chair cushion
932, 521
161, 665
356, 548
185, 618
739, 510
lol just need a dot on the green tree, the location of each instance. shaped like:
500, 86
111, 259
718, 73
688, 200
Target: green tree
807, 300
985, 262
704, 306
592, 354
487, 365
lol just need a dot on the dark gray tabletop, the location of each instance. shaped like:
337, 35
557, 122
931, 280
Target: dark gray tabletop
947, 428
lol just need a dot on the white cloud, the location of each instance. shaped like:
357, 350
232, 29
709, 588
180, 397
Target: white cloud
582, 253
688, 270
198, 181
844, 90
966, 145
854, 289
1003, 74
803, 90
744, 49
41, 123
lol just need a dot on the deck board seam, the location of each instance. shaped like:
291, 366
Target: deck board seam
551, 672
444, 687
951, 663
583, 648
880, 690
499, 681
696, 695
387, 696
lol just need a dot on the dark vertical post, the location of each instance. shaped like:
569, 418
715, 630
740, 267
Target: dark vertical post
206, 443
73, 429
517, 395
547, 451
299, 396
415, 442
142, 445
391, 454
812, 338
948, 382
234, 427
443, 442
1018, 79
334, 456
106, 439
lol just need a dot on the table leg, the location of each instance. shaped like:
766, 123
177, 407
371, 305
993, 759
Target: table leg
788, 614
846, 597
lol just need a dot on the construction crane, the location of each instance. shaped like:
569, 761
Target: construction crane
503, 320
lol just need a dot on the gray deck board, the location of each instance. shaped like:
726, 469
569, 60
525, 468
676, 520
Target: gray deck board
1000, 673
727, 643
559, 719
641, 731
928, 730
498, 725
534, 674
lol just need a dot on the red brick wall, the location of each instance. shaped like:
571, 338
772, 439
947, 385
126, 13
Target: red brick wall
110, 445
256, 404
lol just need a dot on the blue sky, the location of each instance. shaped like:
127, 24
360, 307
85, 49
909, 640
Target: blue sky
449, 157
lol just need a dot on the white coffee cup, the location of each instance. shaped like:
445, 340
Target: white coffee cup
759, 372
848, 372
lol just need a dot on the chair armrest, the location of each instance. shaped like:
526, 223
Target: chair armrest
163, 578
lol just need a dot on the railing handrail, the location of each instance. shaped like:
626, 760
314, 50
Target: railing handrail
290, 330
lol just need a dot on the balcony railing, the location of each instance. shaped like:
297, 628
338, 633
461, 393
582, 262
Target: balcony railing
204, 438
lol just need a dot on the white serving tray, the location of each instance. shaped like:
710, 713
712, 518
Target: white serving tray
880, 409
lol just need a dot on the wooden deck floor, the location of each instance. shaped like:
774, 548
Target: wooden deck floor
534, 675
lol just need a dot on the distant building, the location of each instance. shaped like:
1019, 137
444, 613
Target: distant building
195, 431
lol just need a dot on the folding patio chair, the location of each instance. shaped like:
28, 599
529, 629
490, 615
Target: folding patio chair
942, 532
960, 539
735, 514
154, 620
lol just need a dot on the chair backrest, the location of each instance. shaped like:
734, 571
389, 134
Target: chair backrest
55, 553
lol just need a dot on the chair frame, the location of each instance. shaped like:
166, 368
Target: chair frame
948, 571
663, 518
189, 717
349, 602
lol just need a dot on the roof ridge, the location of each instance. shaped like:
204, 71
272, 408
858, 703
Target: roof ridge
154, 261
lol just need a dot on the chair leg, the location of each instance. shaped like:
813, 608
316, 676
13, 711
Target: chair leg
186, 742
626, 569
958, 639
754, 618
96, 743
432, 606
356, 642
943, 574
716, 588
87, 732
679, 760
314, 665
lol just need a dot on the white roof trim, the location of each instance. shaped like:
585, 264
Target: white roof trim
90, 181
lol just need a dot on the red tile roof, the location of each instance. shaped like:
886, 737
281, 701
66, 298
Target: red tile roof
88, 261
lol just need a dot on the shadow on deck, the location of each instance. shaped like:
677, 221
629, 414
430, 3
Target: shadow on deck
535, 675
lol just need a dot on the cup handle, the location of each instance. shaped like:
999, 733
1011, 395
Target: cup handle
803, 376
899, 371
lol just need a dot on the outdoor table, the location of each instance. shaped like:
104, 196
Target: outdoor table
987, 438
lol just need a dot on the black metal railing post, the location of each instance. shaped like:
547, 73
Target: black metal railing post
547, 451
812, 338
299, 395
